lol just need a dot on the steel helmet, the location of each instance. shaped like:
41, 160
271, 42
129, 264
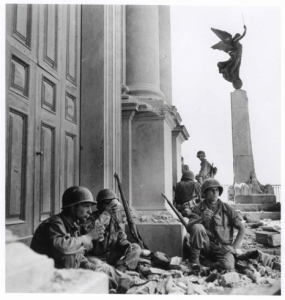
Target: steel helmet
210, 183
187, 175
75, 195
106, 194
201, 153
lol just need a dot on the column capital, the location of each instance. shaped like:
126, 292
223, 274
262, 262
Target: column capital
181, 133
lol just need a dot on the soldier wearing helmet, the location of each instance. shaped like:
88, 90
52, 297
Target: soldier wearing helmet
211, 226
187, 193
205, 171
60, 238
115, 249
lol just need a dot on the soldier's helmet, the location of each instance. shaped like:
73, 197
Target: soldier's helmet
188, 175
210, 183
106, 194
201, 153
76, 195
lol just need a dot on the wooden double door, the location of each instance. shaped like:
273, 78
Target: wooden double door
42, 111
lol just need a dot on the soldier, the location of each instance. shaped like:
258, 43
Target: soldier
206, 168
59, 237
187, 193
211, 227
115, 249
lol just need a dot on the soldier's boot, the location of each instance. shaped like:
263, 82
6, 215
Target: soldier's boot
194, 256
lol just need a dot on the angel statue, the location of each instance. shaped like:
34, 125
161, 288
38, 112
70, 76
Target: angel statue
231, 45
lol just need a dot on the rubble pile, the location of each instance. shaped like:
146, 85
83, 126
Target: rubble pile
182, 278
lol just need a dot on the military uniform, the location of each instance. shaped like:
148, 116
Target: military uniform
187, 192
115, 249
205, 171
59, 238
212, 236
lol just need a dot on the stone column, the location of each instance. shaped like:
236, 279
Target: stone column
142, 48
179, 135
165, 52
242, 149
128, 111
100, 96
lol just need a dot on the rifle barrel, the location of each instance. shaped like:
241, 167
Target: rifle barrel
175, 210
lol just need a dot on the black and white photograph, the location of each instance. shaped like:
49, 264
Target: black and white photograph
143, 147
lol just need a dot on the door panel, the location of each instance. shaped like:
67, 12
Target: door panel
47, 146
20, 116
42, 115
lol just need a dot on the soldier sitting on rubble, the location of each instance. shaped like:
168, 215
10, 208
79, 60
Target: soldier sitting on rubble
211, 227
114, 248
59, 237
187, 193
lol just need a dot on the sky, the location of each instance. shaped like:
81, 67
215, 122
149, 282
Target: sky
203, 97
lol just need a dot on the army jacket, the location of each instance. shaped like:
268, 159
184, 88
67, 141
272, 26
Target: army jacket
223, 222
59, 238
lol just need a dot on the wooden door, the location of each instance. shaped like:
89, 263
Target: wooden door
43, 88
21, 66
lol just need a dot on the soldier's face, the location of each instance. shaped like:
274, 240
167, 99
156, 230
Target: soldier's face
82, 211
201, 157
212, 194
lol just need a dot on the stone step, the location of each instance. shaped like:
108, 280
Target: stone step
260, 215
268, 207
255, 199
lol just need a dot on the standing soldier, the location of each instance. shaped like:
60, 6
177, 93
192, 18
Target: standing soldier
206, 168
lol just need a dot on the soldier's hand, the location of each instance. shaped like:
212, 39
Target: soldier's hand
113, 207
207, 215
97, 233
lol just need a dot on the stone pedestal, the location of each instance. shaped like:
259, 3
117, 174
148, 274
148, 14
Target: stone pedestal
167, 238
242, 149
151, 159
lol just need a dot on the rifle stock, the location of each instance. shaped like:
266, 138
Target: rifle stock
132, 226
175, 210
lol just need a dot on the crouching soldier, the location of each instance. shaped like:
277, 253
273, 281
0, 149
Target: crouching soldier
114, 249
211, 227
59, 237
187, 194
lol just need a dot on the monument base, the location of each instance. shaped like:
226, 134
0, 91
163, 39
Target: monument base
166, 238
255, 199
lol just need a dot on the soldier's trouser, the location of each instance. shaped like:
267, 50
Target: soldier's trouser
199, 239
115, 277
127, 255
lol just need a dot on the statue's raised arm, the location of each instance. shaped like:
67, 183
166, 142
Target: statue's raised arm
230, 45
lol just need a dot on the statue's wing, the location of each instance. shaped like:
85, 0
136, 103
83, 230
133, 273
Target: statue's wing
224, 36
223, 47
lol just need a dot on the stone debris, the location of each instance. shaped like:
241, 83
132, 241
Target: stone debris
268, 238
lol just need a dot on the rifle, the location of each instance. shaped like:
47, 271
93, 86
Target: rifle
176, 211
132, 225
